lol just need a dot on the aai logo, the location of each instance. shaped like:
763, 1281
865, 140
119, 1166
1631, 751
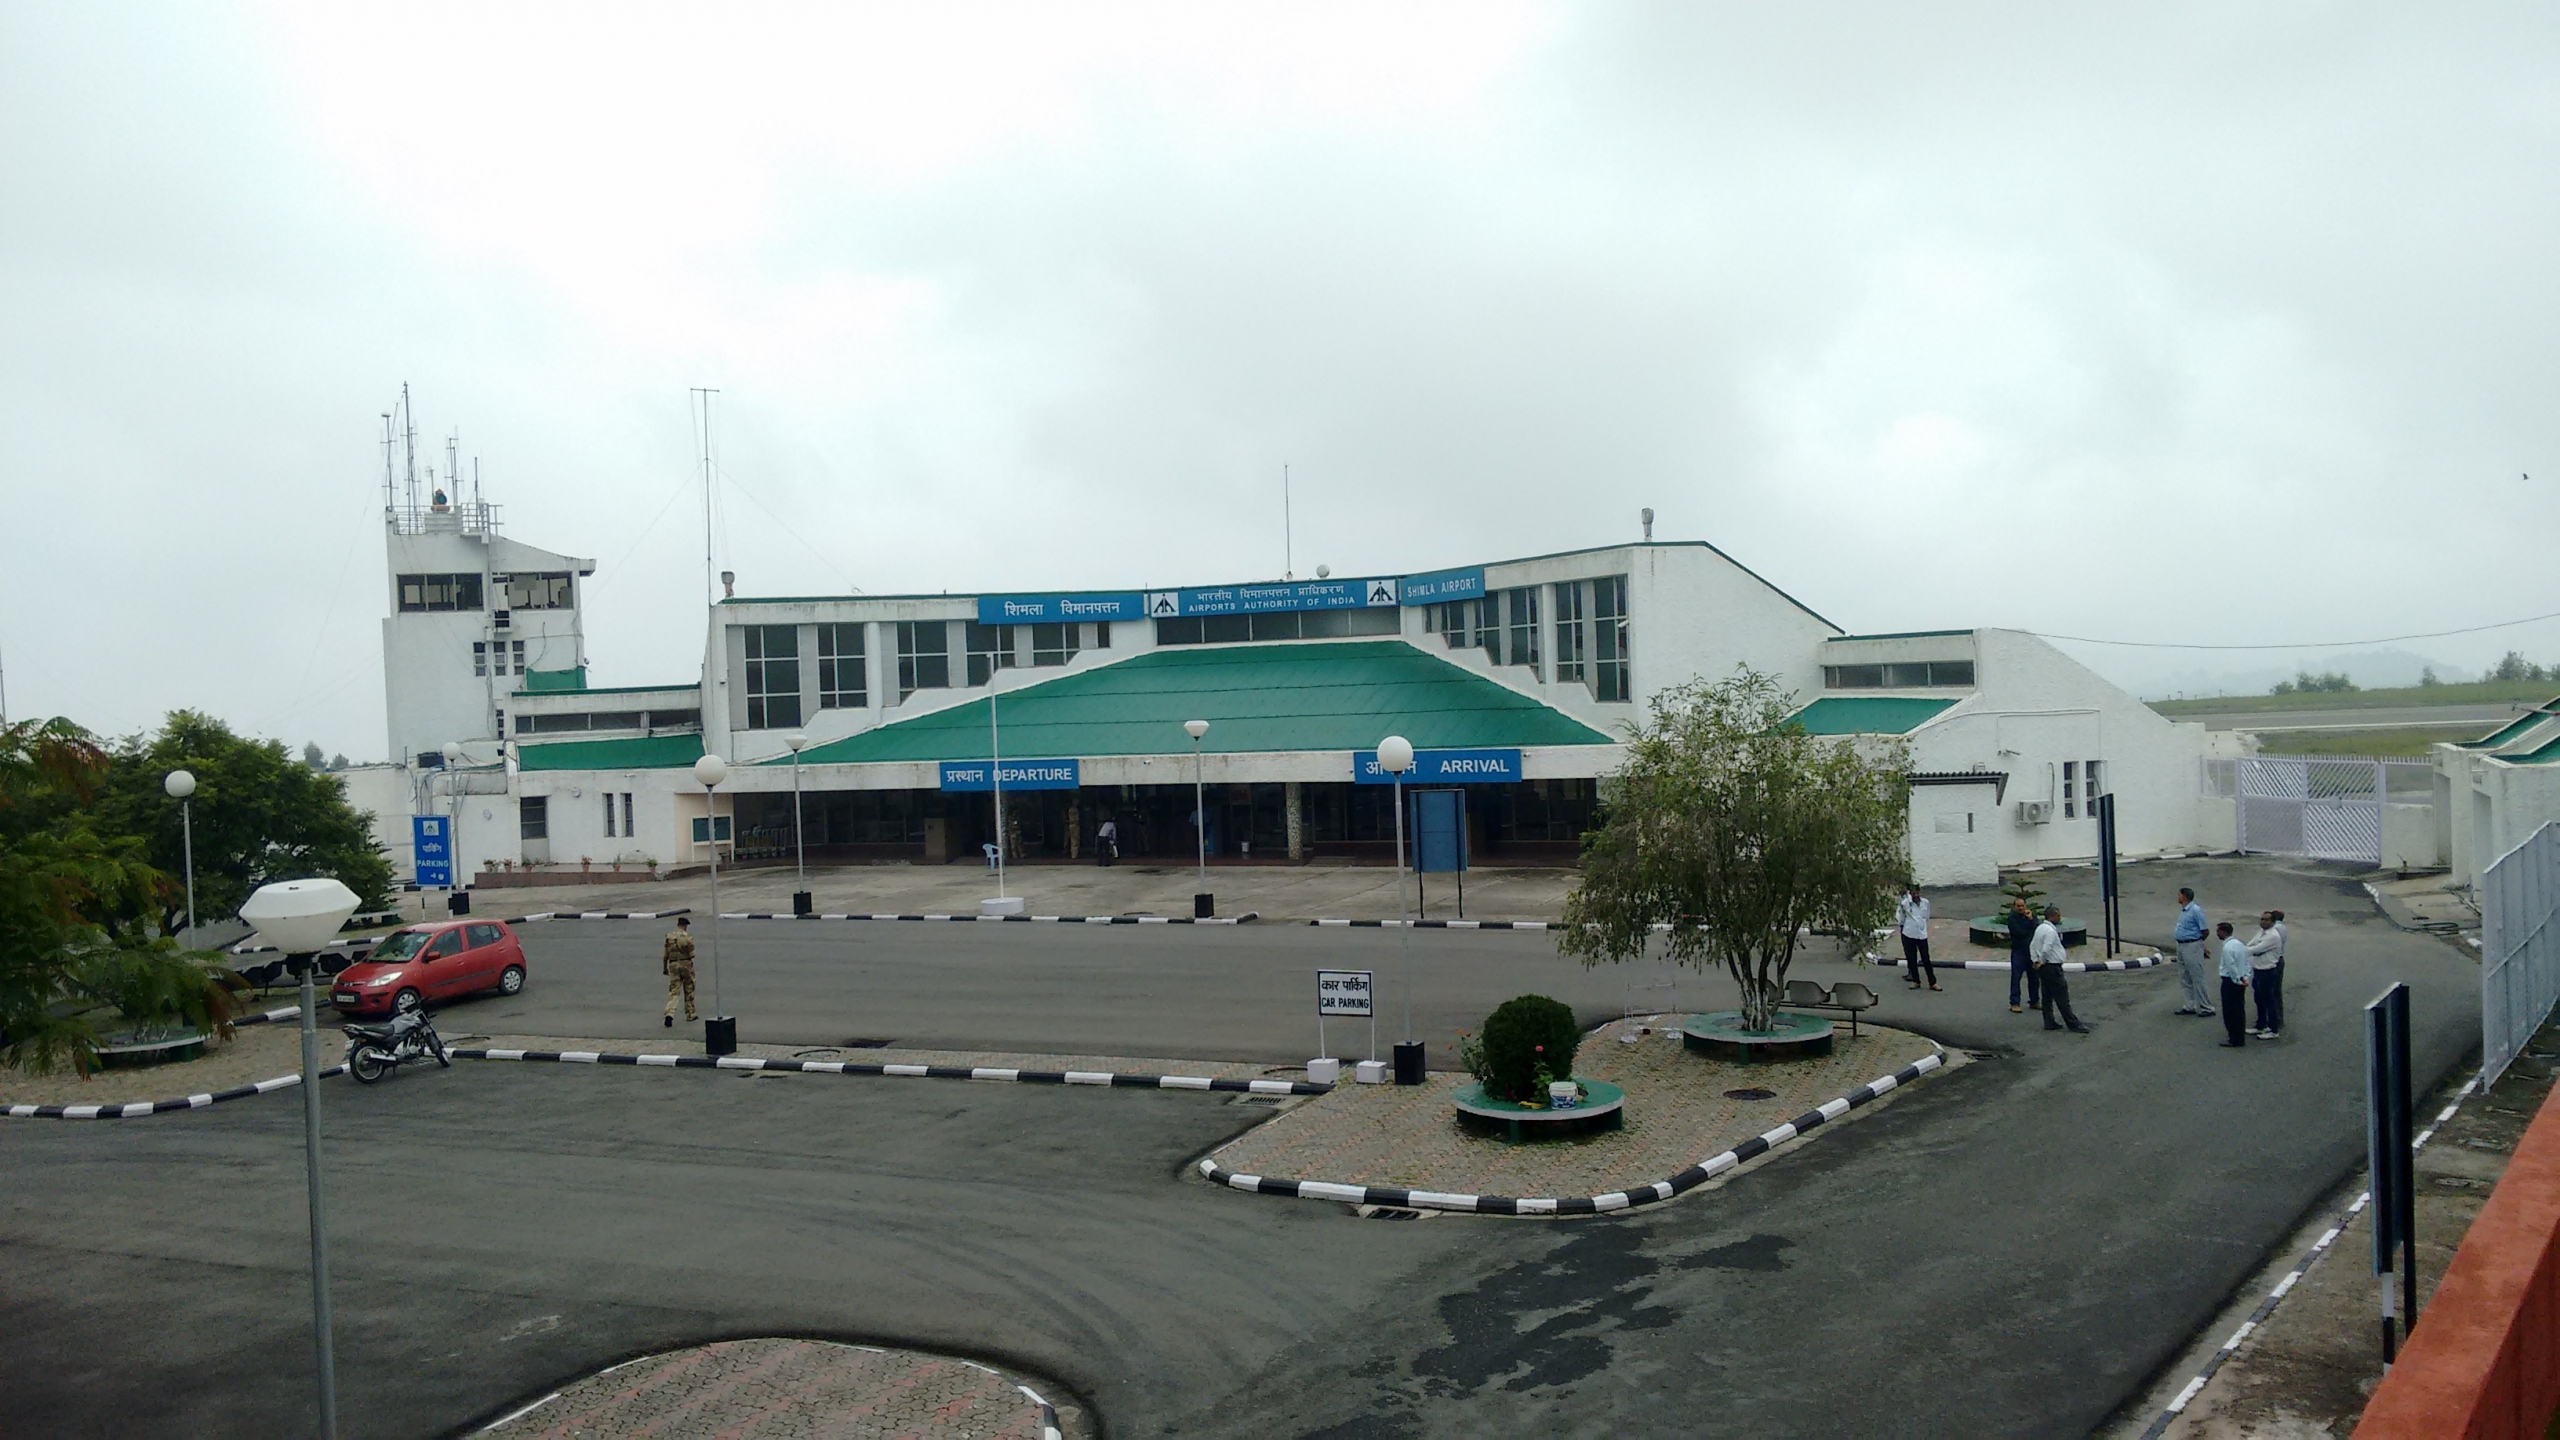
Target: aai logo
1162, 605
1382, 592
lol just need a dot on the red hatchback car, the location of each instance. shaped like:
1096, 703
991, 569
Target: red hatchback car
438, 961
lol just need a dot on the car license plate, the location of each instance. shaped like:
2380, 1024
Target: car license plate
344, 997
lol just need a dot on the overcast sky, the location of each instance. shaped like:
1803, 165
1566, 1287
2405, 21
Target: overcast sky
2210, 325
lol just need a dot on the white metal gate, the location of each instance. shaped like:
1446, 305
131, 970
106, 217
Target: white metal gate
2519, 948
2322, 809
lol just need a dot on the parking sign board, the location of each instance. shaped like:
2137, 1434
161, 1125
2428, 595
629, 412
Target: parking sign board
1342, 992
433, 849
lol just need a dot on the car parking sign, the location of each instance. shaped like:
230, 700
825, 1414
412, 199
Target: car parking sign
1343, 992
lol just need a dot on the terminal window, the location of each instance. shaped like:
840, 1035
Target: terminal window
497, 657
533, 817
440, 592
773, 676
548, 590
1610, 648
841, 668
990, 650
1054, 644
924, 656
1572, 640
1901, 675
1520, 627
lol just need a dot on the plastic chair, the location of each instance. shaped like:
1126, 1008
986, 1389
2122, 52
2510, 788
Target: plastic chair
991, 855
1807, 992
1853, 997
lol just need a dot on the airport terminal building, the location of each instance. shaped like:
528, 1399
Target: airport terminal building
1516, 680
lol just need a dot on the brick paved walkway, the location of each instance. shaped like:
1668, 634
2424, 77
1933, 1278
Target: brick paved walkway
801, 1389
1678, 1113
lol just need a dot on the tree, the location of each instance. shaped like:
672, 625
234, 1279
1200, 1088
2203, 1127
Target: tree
71, 907
2513, 666
2427, 679
313, 757
259, 816
1738, 829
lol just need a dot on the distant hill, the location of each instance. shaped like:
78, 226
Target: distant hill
2478, 692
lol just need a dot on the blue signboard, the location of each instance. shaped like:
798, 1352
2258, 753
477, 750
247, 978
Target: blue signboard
1266, 599
1439, 831
432, 848
1442, 767
1018, 775
1035, 609
1443, 585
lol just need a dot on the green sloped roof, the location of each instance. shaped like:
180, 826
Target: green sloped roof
1344, 696
2513, 729
1868, 714
657, 752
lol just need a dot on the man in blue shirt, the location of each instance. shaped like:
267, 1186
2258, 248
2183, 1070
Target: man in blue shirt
2234, 968
2191, 966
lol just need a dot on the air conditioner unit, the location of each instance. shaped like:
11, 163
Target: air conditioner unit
502, 619
2035, 812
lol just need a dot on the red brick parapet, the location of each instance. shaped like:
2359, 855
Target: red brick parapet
2484, 1360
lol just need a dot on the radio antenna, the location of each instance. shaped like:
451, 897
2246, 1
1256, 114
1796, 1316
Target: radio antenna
1288, 531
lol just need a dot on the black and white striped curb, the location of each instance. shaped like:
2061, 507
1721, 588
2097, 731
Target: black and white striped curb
1243, 919
1453, 924
921, 1072
2069, 967
158, 1107
2267, 1307
269, 1017
536, 918
1660, 1190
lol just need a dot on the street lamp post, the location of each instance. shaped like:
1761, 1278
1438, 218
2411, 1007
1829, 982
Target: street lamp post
299, 917
1203, 904
181, 785
720, 1032
1395, 756
452, 830
800, 903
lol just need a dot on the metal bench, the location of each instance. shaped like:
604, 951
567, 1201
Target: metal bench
1848, 997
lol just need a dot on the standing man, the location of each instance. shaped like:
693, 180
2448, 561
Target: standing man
2266, 973
676, 959
2234, 969
2045, 953
2022, 934
2191, 936
1911, 912
1107, 841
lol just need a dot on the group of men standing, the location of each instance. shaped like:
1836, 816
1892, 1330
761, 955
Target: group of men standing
2248, 969
2035, 956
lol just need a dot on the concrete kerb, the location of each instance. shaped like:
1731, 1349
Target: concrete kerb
2069, 967
2275, 1296
1049, 1427
536, 918
1246, 918
1392, 1197
1105, 1078
158, 1107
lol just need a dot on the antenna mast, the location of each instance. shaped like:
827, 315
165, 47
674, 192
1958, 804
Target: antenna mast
387, 489
1288, 531
710, 566
409, 429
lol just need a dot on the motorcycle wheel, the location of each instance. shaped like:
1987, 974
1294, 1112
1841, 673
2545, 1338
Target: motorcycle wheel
368, 1064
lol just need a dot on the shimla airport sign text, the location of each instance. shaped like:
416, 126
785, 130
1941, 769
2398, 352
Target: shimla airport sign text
1380, 590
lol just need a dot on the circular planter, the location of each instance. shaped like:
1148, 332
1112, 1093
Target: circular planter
1603, 1107
133, 1055
1993, 931
1791, 1036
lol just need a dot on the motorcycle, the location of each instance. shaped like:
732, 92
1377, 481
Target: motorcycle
374, 1051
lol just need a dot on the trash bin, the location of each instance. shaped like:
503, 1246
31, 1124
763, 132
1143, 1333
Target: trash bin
720, 1035
1409, 1063
801, 904
458, 903
1203, 906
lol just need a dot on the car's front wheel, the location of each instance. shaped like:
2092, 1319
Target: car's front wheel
511, 980
404, 1002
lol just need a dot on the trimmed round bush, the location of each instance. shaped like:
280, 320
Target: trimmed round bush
1513, 1036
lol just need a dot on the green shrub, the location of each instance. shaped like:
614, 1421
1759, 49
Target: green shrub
1525, 1039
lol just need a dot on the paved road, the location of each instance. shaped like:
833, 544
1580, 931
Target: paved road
2011, 1249
1241, 992
2451, 717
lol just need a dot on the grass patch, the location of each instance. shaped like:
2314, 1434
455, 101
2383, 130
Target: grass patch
2485, 692
2377, 744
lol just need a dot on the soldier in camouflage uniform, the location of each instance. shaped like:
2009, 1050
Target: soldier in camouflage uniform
677, 961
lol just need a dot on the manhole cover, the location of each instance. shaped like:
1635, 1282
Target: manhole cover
1386, 1213
859, 1043
1751, 1092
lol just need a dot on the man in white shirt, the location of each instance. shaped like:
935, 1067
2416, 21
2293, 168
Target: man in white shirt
2266, 973
2045, 953
1106, 841
1911, 916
